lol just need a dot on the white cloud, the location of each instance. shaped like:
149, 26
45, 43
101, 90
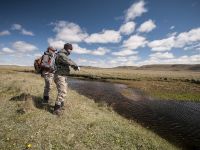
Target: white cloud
119, 59
106, 36
147, 26
99, 51
25, 32
109, 61
56, 43
37, 55
198, 49
21, 53
187, 38
172, 27
162, 45
7, 50
127, 28
22, 59
69, 32
22, 46
79, 50
171, 34
90, 62
123, 61
16, 27
136, 9
5, 32
159, 55
195, 46
81, 60
124, 53
134, 42
179, 41
194, 59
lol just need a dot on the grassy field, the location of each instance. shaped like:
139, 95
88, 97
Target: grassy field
167, 85
84, 124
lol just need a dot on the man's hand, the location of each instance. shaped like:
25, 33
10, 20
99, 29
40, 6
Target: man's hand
77, 68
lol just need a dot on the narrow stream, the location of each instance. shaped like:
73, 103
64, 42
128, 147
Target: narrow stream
177, 122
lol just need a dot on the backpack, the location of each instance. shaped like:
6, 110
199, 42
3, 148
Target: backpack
39, 65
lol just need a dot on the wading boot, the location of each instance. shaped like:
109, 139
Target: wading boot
57, 110
62, 105
45, 100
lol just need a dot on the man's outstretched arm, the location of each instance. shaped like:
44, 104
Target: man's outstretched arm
65, 60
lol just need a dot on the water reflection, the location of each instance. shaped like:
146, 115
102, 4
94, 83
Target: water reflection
178, 122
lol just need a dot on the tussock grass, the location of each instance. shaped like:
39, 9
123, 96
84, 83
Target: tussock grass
84, 124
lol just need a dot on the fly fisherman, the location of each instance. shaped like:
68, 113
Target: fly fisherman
48, 71
62, 70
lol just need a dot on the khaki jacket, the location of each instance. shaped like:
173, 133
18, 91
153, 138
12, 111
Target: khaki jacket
63, 63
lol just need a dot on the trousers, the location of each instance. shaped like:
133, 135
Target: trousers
61, 85
48, 78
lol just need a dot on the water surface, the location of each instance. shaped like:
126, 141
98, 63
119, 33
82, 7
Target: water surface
177, 122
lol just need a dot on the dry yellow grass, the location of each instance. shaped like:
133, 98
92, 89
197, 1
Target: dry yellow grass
167, 85
84, 124
139, 74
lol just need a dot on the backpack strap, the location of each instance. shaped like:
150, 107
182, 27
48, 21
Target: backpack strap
41, 59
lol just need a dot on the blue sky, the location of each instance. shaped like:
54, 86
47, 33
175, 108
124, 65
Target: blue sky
104, 33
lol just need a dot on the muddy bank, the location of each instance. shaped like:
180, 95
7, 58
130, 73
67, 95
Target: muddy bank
178, 122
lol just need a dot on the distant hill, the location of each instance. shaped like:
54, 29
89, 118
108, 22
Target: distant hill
169, 67
90, 67
127, 67
174, 67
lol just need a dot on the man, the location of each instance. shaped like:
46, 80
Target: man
48, 71
62, 70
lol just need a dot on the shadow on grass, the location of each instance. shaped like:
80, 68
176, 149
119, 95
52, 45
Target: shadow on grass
29, 102
177, 122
